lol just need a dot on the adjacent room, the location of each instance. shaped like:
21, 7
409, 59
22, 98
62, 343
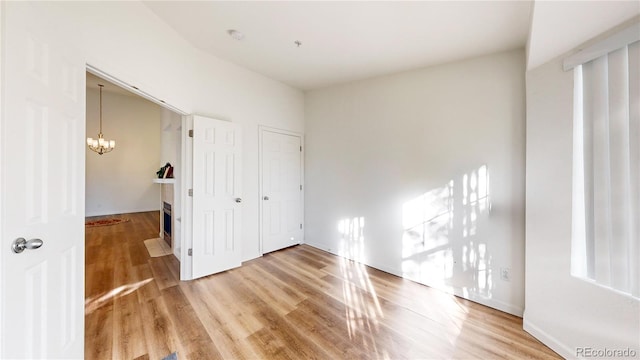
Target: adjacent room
141, 177
335, 180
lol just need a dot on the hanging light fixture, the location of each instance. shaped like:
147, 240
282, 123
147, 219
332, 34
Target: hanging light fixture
100, 145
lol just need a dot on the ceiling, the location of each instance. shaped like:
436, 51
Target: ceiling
346, 41
93, 81
558, 26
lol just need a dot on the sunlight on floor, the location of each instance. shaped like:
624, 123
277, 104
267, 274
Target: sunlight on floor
91, 304
362, 309
444, 245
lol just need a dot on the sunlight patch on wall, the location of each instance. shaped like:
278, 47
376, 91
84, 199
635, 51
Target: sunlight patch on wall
352, 238
440, 242
475, 198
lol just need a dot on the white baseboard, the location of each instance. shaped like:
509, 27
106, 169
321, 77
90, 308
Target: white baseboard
492, 303
547, 339
251, 257
117, 212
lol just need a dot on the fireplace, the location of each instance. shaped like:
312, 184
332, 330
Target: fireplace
166, 211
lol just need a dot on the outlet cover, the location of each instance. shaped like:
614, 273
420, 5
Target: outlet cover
505, 274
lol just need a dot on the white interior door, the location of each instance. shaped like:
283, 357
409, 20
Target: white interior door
281, 190
42, 175
217, 207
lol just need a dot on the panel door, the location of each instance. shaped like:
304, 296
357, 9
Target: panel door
217, 200
282, 190
42, 176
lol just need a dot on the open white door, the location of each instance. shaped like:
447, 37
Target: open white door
42, 176
281, 190
217, 207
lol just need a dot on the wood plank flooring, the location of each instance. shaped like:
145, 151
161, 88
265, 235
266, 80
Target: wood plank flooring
297, 303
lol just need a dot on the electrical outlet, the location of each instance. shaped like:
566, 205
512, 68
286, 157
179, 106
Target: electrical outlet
505, 274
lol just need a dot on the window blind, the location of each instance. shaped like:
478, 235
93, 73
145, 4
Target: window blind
606, 169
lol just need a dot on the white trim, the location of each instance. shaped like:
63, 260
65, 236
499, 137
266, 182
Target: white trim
260, 191
97, 72
549, 340
614, 42
186, 225
261, 130
164, 181
457, 291
279, 131
2, 120
119, 212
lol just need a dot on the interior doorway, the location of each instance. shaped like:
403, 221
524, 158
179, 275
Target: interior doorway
146, 137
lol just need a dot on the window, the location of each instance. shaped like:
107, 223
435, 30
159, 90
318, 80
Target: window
606, 169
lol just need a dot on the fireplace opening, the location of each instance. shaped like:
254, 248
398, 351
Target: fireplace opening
166, 210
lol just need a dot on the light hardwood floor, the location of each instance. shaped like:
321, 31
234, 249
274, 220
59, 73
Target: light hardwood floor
297, 303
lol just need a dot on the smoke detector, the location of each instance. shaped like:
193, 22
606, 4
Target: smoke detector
237, 35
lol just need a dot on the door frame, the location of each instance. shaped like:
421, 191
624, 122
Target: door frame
183, 189
186, 203
2, 120
261, 130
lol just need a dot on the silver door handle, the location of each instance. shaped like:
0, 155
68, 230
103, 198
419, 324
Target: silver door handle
238, 200
265, 198
20, 244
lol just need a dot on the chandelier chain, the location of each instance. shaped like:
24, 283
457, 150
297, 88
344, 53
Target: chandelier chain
100, 145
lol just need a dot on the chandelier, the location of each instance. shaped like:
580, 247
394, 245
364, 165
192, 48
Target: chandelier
100, 145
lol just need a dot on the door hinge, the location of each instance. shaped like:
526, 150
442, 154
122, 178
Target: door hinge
300, 226
190, 192
300, 187
300, 148
191, 133
190, 252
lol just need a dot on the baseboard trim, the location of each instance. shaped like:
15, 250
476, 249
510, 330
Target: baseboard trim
119, 212
547, 339
492, 303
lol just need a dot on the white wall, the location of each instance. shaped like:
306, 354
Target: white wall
171, 150
120, 181
381, 152
562, 311
127, 41
171, 123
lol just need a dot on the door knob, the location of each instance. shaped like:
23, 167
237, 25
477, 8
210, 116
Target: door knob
238, 200
20, 244
265, 198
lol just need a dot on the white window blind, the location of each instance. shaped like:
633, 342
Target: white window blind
606, 169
